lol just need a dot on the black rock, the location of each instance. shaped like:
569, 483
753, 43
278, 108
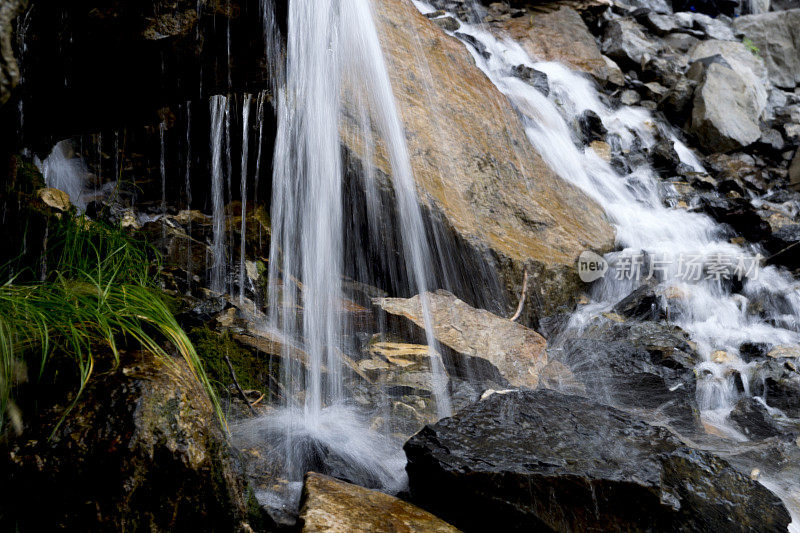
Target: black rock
475, 43
591, 127
780, 386
534, 77
754, 420
641, 303
543, 461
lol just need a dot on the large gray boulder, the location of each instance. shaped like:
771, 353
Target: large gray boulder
777, 36
731, 96
625, 42
542, 461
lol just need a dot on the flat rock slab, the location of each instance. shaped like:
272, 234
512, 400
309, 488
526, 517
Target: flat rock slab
333, 506
518, 353
541, 460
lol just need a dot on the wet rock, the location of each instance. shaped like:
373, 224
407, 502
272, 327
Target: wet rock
664, 156
562, 36
330, 505
447, 23
477, 174
625, 42
630, 97
145, 448
534, 77
754, 420
9, 69
518, 353
590, 126
546, 461
644, 302
55, 198
777, 37
780, 386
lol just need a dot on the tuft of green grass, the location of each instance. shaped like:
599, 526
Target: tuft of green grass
750, 45
99, 293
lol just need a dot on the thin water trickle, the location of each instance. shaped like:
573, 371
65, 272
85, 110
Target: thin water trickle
218, 274
245, 148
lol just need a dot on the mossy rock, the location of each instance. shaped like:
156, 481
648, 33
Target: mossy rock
252, 372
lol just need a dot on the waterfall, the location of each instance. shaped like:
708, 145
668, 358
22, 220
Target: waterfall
218, 275
333, 61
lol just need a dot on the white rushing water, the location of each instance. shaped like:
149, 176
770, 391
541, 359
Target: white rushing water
333, 59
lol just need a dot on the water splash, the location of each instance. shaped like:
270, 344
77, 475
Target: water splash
64, 171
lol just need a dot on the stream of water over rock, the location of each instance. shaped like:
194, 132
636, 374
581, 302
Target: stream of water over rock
333, 49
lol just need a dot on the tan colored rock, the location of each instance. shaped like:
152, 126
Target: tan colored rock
55, 198
474, 164
518, 353
602, 149
333, 506
721, 357
560, 36
785, 352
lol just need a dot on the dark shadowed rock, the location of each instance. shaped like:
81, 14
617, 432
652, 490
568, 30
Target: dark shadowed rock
540, 461
754, 420
141, 451
9, 69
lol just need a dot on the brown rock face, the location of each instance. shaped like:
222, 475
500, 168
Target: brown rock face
559, 36
333, 506
9, 69
474, 164
518, 353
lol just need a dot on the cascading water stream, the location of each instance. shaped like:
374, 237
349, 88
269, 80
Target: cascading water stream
716, 318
